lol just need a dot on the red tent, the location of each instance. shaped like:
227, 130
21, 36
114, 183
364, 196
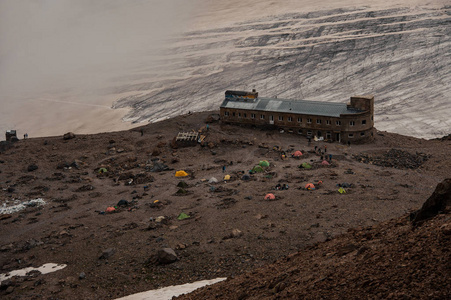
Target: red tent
310, 186
270, 196
297, 153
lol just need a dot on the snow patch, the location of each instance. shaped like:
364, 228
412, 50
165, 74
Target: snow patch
18, 207
168, 292
44, 269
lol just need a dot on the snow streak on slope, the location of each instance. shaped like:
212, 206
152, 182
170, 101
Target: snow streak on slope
400, 55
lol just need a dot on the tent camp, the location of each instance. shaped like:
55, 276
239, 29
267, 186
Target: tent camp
263, 163
257, 169
212, 180
181, 173
227, 177
270, 196
310, 186
305, 165
297, 154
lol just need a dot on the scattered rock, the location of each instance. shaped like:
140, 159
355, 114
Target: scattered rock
82, 275
166, 256
107, 253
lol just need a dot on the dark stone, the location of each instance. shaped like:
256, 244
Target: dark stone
82, 275
32, 168
439, 201
166, 256
69, 136
107, 253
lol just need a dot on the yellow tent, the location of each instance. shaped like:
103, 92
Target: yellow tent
227, 177
181, 173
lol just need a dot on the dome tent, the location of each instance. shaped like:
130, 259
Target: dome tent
181, 173
297, 154
270, 196
263, 163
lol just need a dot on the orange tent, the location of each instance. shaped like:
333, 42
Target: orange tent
110, 209
297, 153
310, 186
325, 163
270, 197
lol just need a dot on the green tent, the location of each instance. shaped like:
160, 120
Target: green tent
182, 216
103, 170
264, 163
341, 190
182, 184
257, 169
306, 165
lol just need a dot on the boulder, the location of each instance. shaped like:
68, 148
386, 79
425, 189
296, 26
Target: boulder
68, 136
166, 256
439, 201
32, 167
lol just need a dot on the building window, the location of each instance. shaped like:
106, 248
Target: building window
262, 117
290, 119
233, 114
352, 123
239, 115
318, 121
338, 123
363, 122
245, 115
309, 133
280, 118
300, 120
253, 116
309, 121
300, 131
327, 122
226, 113
351, 135
362, 134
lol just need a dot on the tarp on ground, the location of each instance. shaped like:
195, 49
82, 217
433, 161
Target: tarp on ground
263, 163
306, 165
212, 180
310, 186
297, 153
181, 173
341, 190
227, 177
270, 196
257, 169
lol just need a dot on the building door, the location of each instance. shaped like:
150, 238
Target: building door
328, 135
271, 120
338, 137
